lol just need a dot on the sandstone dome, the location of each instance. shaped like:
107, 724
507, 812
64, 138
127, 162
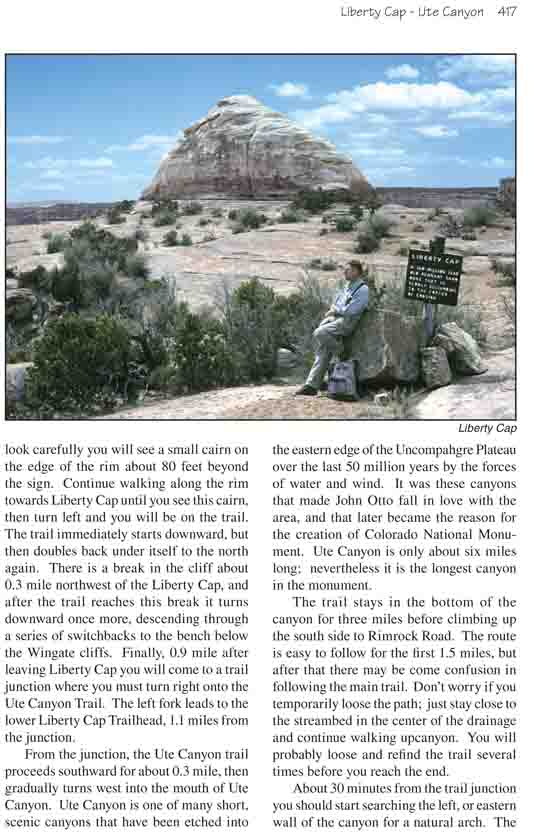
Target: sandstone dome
243, 148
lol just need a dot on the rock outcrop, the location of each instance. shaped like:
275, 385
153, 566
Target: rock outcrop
16, 381
243, 148
462, 350
20, 304
386, 344
435, 367
487, 396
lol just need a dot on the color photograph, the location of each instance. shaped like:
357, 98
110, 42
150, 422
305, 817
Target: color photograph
260, 237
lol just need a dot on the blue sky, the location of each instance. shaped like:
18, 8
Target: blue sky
96, 127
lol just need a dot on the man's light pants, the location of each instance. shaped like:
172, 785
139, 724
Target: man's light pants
328, 342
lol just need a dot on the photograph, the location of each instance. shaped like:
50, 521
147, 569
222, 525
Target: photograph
260, 237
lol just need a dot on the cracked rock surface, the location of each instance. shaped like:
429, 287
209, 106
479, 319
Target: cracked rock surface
243, 148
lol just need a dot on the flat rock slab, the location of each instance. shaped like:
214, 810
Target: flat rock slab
268, 401
278, 256
487, 396
482, 247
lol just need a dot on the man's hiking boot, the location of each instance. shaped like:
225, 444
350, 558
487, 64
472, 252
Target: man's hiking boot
306, 390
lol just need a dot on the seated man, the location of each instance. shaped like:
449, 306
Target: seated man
340, 321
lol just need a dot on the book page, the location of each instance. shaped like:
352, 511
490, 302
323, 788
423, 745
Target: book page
263, 469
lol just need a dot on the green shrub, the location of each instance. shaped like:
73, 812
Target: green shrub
418, 228
505, 270
315, 263
252, 331
380, 225
329, 266
170, 238
297, 316
323, 232
190, 209
288, 215
314, 201
251, 219
165, 216
126, 205
480, 214
56, 242
367, 240
403, 251
17, 347
203, 222
318, 201
136, 266
344, 224
357, 211
200, 352
141, 235
185, 240
233, 214
114, 216
66, 286
80, 363
92, 258
217, 212
37, 279
162, 205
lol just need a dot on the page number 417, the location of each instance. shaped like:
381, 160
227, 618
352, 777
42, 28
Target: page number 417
507, 11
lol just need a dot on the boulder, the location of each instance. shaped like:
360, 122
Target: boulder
20, 304
16, 381
462, 350
286, 360
386, 344
243, 148
487, 396
435, 367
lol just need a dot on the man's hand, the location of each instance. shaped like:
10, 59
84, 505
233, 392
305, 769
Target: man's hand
332, 313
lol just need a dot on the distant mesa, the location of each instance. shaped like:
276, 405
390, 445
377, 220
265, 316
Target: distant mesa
242, 148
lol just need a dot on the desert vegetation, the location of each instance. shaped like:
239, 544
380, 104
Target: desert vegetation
102, 288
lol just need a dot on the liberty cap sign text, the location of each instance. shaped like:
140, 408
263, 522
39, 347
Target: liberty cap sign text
433, 278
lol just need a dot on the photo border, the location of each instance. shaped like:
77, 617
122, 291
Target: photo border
273, 55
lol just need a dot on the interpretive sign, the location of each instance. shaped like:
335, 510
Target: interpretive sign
432, 277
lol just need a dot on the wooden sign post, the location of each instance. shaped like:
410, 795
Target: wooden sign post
433, 277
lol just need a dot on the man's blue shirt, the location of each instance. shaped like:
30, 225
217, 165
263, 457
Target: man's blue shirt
353, 300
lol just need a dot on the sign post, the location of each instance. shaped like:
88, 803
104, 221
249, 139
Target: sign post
433, 277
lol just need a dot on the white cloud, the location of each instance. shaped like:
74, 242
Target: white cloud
436, 131
31, 140
405, 96
403, 71
48, 163
497, 162
291, 90
327, 114
477, 66
147, 142
380, 152
488, 117
393, 97
102, 162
